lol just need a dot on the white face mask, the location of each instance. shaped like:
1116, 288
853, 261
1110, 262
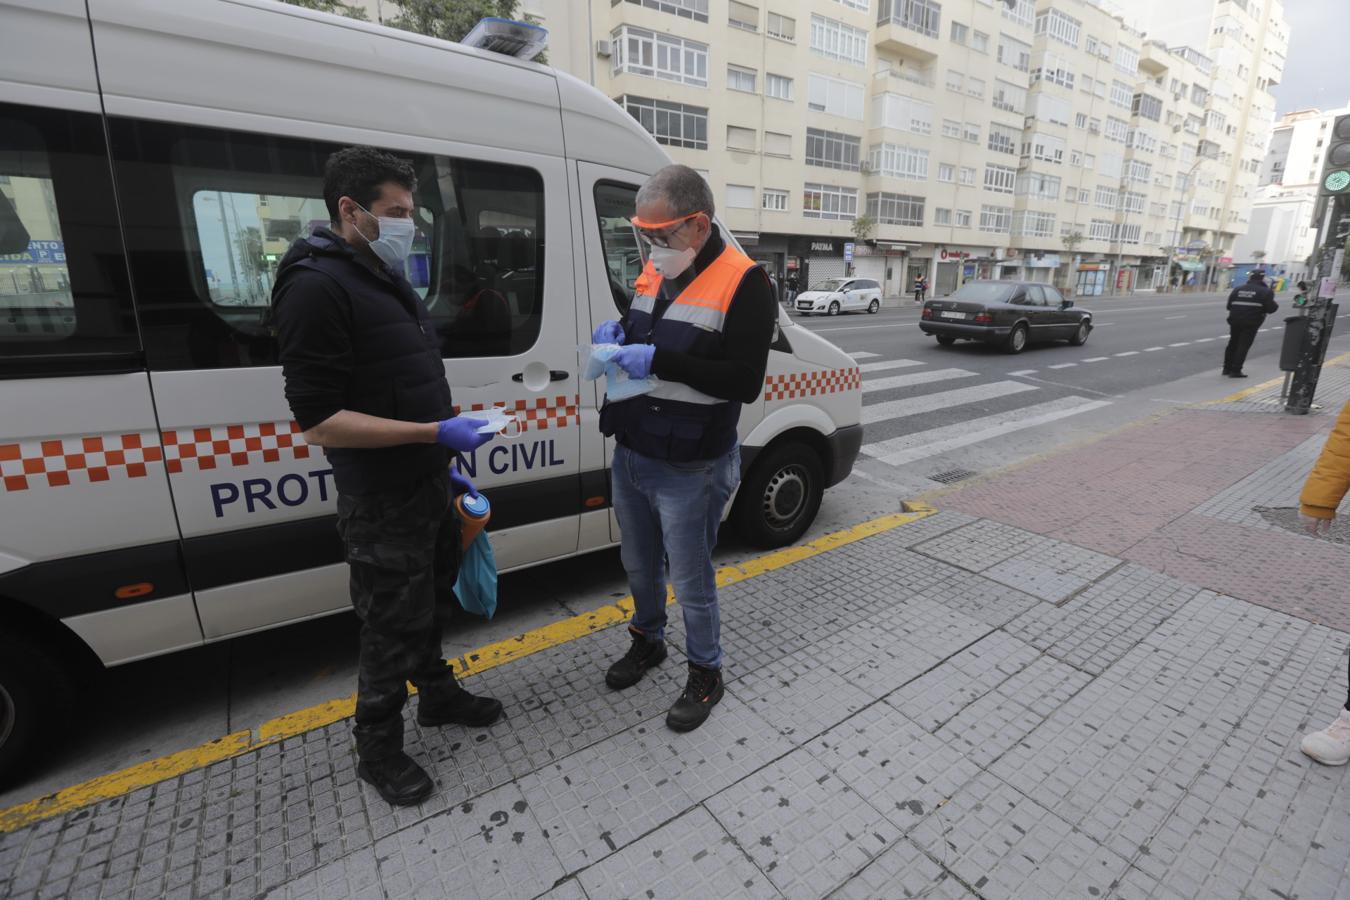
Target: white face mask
394, 242
671, 263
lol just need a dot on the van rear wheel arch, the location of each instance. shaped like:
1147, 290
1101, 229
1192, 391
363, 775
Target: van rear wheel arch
782, 489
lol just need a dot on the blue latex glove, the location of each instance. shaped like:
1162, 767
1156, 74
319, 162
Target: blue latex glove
636, 359
610, 332
460, 434
461, 483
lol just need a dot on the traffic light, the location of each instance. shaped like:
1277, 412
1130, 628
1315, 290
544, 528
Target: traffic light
1336, 173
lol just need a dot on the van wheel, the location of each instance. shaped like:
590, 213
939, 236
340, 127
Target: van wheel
36, 694
780, 498
874, 306
1017, 339
834, 308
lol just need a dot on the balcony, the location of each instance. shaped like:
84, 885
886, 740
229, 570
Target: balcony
901, 76
910, 28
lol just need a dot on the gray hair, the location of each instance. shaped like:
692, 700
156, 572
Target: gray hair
682, 189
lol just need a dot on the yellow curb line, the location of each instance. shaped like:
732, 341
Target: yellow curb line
124, 781
1257, 388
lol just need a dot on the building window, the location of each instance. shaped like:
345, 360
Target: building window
1075, 158
1132, 201
1054, 69
898, 161
1127, 60
741, 138
777, 86
672, 124
1147, 107
1140, 172
1120, 95
956, 81
638, 51
1044, 147
1060, 27
833, 150
975, 87
965, 175
951, 128
1116, 130
960, 34
1022, 12
1030, 223
743, 16
863, 5
996, 219
826, 201
1099, 230
1015, 53
775, 200
946, 173
696, 10
902, 113
942, 216
835, 40
740, 79
835, 96
1000, 179
741, 196
971, 133
963, 218
979, 42
1003, 138
923, 16
776, 144
781, 27
1039, 186
1010, 97
895, 209
1106, 198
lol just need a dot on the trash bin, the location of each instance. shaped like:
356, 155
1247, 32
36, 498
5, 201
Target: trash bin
1295, 330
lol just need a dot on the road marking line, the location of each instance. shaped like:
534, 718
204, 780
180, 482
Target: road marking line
1181, 344
921, 444
913, 406
1127, 353
1152, 349
116, 784
1096, 359
1168, 318
858, 327
1204, 340
915, 378
888, 365
863, 354
1023, 372
1063, 366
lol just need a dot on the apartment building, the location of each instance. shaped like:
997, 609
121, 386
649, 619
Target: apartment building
1050, 140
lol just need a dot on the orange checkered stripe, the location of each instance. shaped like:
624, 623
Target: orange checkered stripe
234, 445
810, 384
540, 414
62, 461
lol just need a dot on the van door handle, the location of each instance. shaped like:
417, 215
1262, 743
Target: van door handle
553, 375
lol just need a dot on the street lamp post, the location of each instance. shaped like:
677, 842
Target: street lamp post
1176, 224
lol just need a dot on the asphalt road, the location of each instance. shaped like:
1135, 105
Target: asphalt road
929, 410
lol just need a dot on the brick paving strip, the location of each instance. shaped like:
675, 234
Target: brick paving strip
1048, 688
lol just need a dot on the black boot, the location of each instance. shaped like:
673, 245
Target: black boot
700, 695
641, 656
399, 780
458, 708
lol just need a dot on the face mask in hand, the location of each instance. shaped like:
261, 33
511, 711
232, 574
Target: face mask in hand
671, 263
394, 242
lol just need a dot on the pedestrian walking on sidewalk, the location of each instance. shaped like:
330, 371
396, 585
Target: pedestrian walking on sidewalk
701, 322
920, 287
365, 381
1248, 307
1323, 492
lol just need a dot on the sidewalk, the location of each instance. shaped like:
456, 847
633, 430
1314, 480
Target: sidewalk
1085, 677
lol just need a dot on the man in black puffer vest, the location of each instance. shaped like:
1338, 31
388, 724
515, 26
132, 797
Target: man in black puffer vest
365, 381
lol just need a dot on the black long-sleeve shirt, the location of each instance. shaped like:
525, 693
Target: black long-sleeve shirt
747, 333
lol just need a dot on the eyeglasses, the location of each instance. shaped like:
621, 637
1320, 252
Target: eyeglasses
658, 234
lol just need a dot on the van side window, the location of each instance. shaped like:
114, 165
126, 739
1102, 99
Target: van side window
64, 303
215, 212
615, 204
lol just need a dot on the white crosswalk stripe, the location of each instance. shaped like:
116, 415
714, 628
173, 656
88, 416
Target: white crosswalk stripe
865, 368
863, 354
914, 378
922, 444
914, 406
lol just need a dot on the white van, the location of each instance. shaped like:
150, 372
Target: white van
156, 159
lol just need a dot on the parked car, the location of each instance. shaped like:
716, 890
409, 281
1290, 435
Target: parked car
1008, 313
835, 295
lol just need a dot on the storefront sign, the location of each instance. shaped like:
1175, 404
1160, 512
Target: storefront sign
822, 247
37, 252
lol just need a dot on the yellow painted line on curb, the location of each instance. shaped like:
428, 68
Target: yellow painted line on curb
1258, 388
124, 781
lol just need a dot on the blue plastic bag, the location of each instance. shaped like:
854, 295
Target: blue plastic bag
618, 384
476, 587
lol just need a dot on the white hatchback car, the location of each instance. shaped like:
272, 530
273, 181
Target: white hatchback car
835, 295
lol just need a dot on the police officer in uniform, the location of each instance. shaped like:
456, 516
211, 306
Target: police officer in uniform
365, 381
702, 322
1248, 307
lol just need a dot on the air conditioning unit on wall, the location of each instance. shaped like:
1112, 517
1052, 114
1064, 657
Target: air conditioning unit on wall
604, 48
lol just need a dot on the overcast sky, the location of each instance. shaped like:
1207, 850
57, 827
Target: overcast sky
1316, 74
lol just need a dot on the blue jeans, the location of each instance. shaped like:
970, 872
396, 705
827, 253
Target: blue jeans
669, 513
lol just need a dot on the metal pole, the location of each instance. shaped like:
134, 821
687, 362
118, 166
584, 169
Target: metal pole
1321, 317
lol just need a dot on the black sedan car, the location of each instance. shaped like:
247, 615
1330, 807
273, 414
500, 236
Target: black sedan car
1010, 314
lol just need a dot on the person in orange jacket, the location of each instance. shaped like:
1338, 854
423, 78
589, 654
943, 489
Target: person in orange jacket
1326, 486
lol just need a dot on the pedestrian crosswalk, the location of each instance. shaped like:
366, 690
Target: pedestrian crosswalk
914, 411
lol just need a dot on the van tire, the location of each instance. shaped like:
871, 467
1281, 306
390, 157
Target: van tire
874, 307
36, 696
781, 495
834, 308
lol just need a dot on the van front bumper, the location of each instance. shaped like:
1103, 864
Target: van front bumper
845, 443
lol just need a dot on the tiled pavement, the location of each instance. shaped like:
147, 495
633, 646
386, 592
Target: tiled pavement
980, 704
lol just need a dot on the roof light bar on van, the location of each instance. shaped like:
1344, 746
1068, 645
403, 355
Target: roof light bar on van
507, 36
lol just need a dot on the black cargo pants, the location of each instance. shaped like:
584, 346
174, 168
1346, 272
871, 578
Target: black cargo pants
403, 547
1241, 333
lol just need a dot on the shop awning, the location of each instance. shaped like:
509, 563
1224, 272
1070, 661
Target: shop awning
1189, 266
